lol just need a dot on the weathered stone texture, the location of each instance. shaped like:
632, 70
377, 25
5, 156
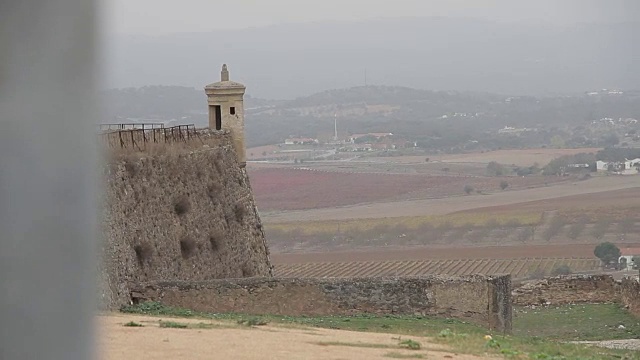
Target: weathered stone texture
183, 215
472, 298
630, 295
567, 290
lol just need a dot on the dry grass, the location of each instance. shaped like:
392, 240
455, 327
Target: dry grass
444, 222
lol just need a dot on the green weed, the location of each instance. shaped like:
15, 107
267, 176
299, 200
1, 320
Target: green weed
133, 324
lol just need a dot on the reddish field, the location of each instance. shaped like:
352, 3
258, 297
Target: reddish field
298, 189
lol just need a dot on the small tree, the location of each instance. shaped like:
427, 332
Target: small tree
607, 252
555, 226
561, 270
468, 189
504, 184
577, 228
600, 229
495, 169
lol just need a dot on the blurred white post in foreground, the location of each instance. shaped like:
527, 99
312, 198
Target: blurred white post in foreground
48, 188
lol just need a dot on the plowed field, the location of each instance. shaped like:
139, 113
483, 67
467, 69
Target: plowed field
518, 268
300, 189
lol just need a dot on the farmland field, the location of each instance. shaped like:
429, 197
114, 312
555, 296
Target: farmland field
518, 268
300, 189
449, 253
599, 192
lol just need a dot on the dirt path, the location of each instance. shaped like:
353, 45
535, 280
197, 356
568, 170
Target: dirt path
422, 207
231, 341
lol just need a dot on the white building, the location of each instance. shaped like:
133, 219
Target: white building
628, 254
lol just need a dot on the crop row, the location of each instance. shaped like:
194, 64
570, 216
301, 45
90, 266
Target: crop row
295, 189
518, 268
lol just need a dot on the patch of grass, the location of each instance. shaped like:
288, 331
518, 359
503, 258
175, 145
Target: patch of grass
410, 344
158, 309
397, 355
173, 325
133, 324
351, 344
453, 221
576, 322
537, 335
252, 322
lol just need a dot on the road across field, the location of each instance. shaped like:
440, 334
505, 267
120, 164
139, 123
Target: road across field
424, 207
422, 253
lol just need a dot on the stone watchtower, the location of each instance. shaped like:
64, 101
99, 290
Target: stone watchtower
226, 110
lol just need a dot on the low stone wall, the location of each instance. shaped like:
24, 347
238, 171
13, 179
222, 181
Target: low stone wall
567, 290
480, 299
630, 295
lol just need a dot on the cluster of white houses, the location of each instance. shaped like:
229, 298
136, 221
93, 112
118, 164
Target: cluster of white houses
626, 167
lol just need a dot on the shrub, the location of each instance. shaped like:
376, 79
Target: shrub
607, 252
504, 184
555, 226
495, 169
252, 322
526, 234
536, 274
468, 189
513, 223
561, 270
576, 229
182, 205
173, 325
410, 344
133, 324
187, 247
600, 229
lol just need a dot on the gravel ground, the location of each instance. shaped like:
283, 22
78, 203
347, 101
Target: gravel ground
628, 344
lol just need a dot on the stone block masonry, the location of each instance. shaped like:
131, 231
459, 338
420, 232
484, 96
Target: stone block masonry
567, 290
591, 289
184, 213
478, 299
630, 295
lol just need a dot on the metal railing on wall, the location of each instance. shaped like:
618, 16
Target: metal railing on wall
137, 136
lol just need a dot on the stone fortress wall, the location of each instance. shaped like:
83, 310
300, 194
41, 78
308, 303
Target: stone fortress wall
180, 226
579, 289
186, 213
479, 299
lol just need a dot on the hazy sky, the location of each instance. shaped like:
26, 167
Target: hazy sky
169, 16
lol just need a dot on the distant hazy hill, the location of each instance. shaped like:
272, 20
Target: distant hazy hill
287, 61
447, 116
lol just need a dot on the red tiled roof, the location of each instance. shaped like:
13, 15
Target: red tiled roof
630, 251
